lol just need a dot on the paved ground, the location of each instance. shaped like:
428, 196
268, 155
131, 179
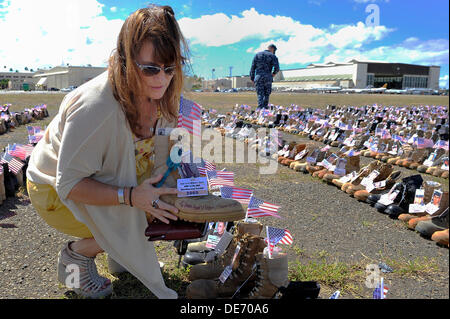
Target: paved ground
335, 237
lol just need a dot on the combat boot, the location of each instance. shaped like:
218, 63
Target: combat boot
242, 272
365, 171
272, 274
385, 170
214, 267
363, 194
428, 187
352, 165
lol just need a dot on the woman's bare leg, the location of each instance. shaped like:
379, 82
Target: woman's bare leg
87, 247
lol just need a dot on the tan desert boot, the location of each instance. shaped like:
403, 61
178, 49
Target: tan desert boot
213, 269
272, 274
251, 245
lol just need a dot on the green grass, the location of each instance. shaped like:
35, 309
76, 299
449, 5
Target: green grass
337, 275
368, 224
418, 267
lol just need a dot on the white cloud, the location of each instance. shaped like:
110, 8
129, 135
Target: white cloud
431, 52
443, 81
219, 29
113, 9
302, 44
47, 32
296, 42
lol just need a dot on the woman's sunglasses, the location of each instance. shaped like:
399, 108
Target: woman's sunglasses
151, 70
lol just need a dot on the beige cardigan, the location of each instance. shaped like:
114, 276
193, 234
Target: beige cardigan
89, 137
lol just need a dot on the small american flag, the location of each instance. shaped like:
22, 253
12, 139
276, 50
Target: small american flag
19, 151
242, 195
189, 116
385, 134
220, 178
260, 208
441, 144
205, 167
423, 142
380, 291
277, 235
398, 138
14, 165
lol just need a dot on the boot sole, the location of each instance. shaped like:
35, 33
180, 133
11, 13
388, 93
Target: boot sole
201, 210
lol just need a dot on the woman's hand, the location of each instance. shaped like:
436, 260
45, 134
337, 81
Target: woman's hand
144, 195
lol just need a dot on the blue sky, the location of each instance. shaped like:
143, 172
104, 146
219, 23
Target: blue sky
228, 33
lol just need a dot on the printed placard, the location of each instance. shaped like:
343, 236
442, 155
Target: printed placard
419, 205
281, 152
348, 140
345, 179
433, 206
197, 186
228, 269
373, 147
334, 136
373, 186
313, 158
369, 179
382, 148
445, 165
225, 274
430, 160
348, 177
394, 150
387, 199
300, 155
215, 237
328, 163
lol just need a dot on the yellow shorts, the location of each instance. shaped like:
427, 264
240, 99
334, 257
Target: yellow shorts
48, 205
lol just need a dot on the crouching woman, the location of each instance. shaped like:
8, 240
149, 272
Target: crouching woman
90, 176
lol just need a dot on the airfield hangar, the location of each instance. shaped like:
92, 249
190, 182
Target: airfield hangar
359, 75
64, 76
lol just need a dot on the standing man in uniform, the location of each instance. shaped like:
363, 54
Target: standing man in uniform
264, 67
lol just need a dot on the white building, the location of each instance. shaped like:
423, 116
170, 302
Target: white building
18, 80
64, 76
360, 74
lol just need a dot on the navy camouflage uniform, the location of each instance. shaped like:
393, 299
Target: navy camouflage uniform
264, 64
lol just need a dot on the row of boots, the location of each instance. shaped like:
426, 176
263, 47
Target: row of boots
366, 184
10, 182
10, 120
251, 273
262, 276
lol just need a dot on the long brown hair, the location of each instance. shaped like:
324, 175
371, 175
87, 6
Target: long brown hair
158, 25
